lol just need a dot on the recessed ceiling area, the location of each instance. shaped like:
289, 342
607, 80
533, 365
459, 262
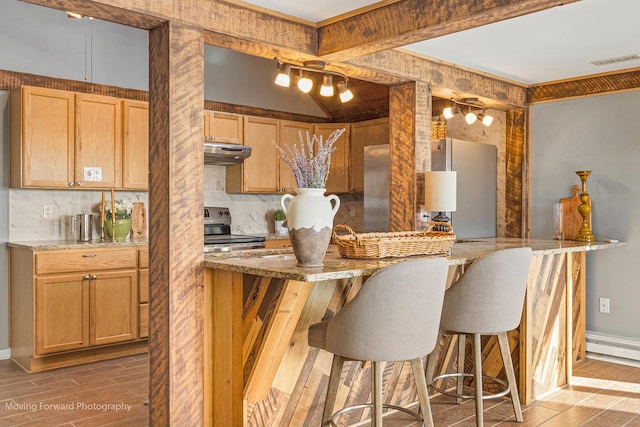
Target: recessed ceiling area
554, 44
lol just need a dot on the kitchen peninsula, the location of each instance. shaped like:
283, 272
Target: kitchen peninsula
260, 371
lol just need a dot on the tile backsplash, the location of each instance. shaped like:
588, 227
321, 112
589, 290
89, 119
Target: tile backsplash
251, 212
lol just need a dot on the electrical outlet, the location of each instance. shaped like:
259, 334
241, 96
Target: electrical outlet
47, 211
604, 305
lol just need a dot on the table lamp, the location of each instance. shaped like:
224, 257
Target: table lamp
440, 195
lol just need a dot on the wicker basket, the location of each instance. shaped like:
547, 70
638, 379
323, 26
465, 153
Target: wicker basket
393, 244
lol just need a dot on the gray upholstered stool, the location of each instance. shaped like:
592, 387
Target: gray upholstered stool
486, 300
394, 317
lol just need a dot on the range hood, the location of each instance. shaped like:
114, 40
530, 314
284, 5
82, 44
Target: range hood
218, 153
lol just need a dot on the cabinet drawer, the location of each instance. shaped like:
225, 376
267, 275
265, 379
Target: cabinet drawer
143, 285
143, 258
277, 243
84, 259
143, 320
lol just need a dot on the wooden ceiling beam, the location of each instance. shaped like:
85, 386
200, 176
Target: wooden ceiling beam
388, 27
219, 17
447, 80
618, 81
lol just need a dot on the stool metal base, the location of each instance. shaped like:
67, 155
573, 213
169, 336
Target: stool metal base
370, 405
505, 386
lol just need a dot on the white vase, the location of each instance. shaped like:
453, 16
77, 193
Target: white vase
310, 222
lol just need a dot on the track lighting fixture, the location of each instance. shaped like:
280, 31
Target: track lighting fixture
305, 84
475, 111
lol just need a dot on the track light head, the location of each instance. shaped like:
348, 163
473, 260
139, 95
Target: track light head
283, 79
470, 117
305, 84
327, 85
345, 94
486, 119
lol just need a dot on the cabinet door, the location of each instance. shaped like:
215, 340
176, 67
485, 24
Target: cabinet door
98, 142
135, 145
223, 127
62, 313
113, 307
42, 135
338, 181
372, 132
290, 136
259, 173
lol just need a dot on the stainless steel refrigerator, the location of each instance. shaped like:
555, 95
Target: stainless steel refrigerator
476, 167
476, 164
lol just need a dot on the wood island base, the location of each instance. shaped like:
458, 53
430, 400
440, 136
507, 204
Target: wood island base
259, 370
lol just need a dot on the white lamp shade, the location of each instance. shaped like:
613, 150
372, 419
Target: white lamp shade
440, 191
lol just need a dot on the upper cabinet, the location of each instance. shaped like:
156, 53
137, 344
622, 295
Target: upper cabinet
98, 141
371, 132
259, 172
338, 181
42, 138
60, 139
135, 145
223, 127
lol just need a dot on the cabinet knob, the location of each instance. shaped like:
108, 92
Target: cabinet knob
89, 255
71, 184
86, 277
94, 277
79, 184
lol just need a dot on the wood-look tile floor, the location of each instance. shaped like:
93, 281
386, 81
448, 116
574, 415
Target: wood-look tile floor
98, 394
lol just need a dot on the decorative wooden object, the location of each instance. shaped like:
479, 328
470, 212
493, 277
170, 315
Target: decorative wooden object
138, 221
571, 219
585, 234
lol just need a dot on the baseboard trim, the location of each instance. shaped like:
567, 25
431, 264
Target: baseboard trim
614, 349
5, 354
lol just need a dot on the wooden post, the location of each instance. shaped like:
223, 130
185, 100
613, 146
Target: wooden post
176, 241
410, 150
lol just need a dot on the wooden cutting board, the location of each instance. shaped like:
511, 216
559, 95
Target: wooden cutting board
138, 221
571, 218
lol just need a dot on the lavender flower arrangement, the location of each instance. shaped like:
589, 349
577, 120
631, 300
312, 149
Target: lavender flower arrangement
310, 165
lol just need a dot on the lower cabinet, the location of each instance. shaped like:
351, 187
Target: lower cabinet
74, 306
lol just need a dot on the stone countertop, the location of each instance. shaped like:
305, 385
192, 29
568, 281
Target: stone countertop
281, 263
49, 245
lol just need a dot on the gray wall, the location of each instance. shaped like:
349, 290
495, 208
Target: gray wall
601, 134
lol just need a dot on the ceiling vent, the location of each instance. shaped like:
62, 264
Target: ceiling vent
617, 60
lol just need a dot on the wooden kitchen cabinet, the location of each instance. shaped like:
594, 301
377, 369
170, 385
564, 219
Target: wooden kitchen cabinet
370, 132
135, 145
338, 181
260, 172
143, 293
42, 138
73, 306
223, 127
62, 139
98, 142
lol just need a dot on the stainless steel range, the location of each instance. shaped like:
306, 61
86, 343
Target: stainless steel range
217, 233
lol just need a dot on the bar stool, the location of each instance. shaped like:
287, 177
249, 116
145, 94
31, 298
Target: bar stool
394, 317
486, 300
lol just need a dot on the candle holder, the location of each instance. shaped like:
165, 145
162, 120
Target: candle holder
584, 234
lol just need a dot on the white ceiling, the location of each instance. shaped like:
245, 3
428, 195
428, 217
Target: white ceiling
554, 44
